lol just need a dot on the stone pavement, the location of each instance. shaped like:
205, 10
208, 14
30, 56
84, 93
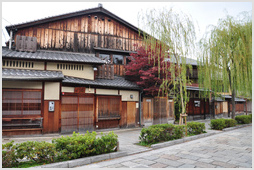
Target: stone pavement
232, 149
127, 138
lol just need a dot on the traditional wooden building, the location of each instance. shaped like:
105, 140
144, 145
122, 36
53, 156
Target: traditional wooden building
65, 73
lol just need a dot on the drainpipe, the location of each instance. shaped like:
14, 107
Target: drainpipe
10, 40
141, 91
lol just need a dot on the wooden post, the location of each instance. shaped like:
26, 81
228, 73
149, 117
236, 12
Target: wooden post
183, 116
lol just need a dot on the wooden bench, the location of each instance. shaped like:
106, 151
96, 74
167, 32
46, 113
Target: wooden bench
21, 126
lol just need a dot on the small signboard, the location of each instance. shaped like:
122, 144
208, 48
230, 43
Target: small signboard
148, 100
196, 103
137, 105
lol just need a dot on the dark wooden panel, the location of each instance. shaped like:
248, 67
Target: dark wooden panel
51, 119
123, 114
14, 132
131, 114
147, 109
105, 124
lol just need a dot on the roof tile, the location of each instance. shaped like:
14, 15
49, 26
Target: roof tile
117, 82
53, 56
21, 74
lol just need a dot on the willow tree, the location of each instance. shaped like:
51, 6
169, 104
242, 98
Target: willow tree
171, 35
226, 57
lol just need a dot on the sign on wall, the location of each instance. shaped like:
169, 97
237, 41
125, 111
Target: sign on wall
196, 103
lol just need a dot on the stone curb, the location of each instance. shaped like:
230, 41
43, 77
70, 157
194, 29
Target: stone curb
236, 127
190, 138
185, 139
97, 158
84, 161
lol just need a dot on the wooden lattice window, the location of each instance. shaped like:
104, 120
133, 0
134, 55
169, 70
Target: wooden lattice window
21, 102
108, 106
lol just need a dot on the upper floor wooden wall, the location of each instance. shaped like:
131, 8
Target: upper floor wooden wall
82, 33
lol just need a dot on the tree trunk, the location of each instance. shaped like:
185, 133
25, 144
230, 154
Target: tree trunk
228, 108
212, 109
233, 104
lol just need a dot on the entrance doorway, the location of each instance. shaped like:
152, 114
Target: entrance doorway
77, 113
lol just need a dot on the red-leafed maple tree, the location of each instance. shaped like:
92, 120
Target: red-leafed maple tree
148, 72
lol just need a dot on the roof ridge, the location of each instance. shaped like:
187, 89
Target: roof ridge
60, 15
69, 15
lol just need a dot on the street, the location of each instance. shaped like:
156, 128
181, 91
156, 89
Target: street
232, 149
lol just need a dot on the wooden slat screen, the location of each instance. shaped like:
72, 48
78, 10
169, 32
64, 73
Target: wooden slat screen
69, 114
160, 110
21, 102
86, 112
108, 106
77, 113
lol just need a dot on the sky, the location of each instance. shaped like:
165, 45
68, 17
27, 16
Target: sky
203, 13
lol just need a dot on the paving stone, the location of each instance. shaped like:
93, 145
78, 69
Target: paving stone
130, 164
215, 158
201, 155
114, 166
169, 162
246, 165
90, 166
204, 165
170, 167
187, 161
171, 157
187, 166
141, 166
152, 157
158, 165
205, 160
144, 162
223, 164
188, 156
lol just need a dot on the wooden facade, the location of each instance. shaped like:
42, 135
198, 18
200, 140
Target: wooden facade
82, 34
197, 107
111, 39
157, 110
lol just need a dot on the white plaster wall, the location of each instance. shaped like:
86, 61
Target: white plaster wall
51, 90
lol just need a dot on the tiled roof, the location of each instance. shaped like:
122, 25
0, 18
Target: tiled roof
230, 97
218, 99
19, 74
195, 88
53, 56
117, 82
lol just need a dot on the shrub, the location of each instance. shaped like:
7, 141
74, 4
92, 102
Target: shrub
250, 116
195, 128
8, 155
40, 152
243, 119
64, 148
218, 124
107, 143
230, 123
82, 145
45, 152
162, 132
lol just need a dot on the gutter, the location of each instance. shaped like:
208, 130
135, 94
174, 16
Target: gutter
140, 93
